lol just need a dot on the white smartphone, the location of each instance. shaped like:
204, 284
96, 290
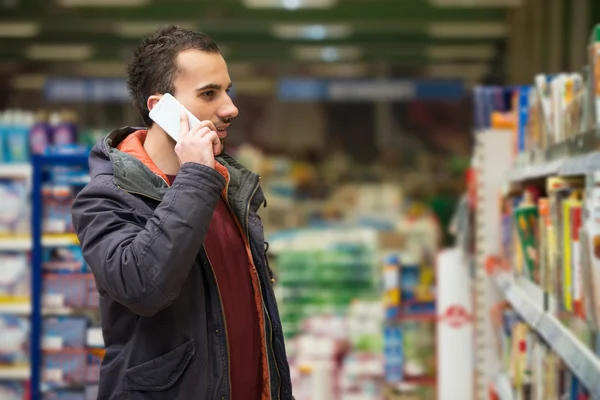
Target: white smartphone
167, 114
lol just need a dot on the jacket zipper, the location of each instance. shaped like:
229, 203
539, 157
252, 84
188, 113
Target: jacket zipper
260, 288
224, 323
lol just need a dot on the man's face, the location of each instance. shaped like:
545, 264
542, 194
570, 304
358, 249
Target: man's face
202, 86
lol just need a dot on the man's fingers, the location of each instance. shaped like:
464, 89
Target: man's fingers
184, 125
202, 125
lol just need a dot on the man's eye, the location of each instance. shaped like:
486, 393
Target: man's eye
208, 94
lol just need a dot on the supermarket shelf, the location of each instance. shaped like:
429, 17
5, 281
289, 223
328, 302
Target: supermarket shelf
421, 380
16, 308
15, 170
24, 243
66, 239
21, 373
503, 387
15, 243
580, 360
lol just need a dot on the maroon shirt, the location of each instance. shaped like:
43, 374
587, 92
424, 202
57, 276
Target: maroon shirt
226, 250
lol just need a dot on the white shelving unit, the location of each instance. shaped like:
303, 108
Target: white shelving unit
580, 359
15, 171
16, 308
17, 373
492, 164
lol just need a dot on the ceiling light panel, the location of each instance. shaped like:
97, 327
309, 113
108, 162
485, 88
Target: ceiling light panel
466, 52
487, 30
102, 3
326, 53
59, 52
311, 32
290, 4
131, 29
18, 29
476, 3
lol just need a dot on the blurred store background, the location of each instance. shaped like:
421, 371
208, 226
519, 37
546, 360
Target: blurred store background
370, 122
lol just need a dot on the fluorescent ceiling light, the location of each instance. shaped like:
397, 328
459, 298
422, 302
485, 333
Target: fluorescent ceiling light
18, 29
326, 53
311, 32
112, 69
28, 82
460, 52
448, 71
289, 4
475, 3
339, 70
102, 3
468, 30
59, 52
131, 29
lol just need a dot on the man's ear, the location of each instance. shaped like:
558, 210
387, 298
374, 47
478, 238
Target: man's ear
152, 100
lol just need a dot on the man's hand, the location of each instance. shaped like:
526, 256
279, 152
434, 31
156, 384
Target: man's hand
198, 145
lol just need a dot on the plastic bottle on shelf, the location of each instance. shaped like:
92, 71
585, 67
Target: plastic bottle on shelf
40, 135
65, 129
17, 138
3, 128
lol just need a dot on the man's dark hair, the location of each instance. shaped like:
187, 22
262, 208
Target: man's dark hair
153, 65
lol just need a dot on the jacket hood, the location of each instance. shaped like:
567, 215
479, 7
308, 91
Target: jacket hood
132, 175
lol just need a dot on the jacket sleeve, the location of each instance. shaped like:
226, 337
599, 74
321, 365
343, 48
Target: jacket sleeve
143, 266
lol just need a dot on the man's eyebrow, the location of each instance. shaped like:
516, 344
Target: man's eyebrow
212, 86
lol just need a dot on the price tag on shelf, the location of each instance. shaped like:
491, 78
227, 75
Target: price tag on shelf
52, 343
53, 375
53, 300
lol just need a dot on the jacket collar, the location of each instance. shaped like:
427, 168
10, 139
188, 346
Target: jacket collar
131, 175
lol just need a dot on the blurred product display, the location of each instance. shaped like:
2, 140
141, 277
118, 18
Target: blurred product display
534, 228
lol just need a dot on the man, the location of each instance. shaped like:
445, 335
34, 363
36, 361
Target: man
171, 234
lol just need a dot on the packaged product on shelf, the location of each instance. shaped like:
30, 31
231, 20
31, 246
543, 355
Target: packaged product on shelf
57, 201
14, 277
40, 135
559, 189
63, 259
587, 311
526, 221
518, 365
592, 226
594, 60
557, 89
63, 369
542, 84
64, 333
419, 348
394, 353
544, 246
14, 213
14, 340
69, 291
65, 130
570, 207
573, 107
12, 391
523, 96
552, 373
391, 287
576, 262
15, 136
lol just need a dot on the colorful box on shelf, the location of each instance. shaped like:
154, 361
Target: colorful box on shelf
64, 332
69, 290
63, 260
12, 390
14, 340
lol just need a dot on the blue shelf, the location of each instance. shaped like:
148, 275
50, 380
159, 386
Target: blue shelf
39, 163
